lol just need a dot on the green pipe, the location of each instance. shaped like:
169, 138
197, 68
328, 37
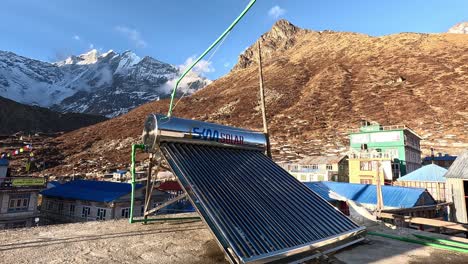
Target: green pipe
166, 219
443, 241
252, 2
132, 196
415, 241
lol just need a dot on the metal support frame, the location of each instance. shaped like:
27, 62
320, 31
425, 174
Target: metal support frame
150, 183
166, 204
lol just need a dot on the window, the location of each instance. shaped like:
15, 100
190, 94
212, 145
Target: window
366, 165
315, 166
101, 214
85, 212
125, 213
366, 181
18, 203
60, 208
329, 167
303, 177
72, 209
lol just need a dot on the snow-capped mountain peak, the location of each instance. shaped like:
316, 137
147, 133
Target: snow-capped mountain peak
108, 53
106, 84
89, 57
460, 28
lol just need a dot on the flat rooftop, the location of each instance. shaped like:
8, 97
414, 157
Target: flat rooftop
182, 242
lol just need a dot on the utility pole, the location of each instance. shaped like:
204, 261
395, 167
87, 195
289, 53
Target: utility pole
380, 204
262, 101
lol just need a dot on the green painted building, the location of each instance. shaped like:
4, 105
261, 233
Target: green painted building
398, 141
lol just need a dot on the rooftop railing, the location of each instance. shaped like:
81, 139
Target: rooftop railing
370, 155
382, 128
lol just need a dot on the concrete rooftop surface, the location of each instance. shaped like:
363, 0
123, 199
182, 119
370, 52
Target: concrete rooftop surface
181, 242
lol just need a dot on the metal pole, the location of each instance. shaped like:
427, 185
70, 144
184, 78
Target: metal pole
132, 196
379, 191
148, 187
262, 101
252, 2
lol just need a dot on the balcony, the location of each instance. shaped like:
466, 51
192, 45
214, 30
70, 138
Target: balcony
22, 183
371, 155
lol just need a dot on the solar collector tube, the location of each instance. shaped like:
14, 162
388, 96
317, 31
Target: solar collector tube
227, 200
238, 247
264, 197
305, 191
260, 209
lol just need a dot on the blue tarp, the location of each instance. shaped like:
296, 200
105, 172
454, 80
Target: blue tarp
99, 191
393, 196
426, 173
4, 162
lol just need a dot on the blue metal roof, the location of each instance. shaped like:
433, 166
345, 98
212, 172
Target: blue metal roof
321, 189
100, 191
441, 158
4, 162
431, 172
393, 196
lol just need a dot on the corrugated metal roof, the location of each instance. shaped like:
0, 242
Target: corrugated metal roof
428, 173
99, 191
322, 190
441, 158
256, 209
321, 160
393, 196
459, 168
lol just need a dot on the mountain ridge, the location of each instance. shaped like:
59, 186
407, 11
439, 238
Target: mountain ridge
317, 88
16, 117
107, 84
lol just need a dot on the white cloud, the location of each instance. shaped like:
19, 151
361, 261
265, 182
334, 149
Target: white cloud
226, 64
76, 37
185, 85
133, 35
91, 45
276, 11
201, 67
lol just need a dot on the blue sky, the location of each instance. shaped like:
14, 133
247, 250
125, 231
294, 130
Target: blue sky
175, 30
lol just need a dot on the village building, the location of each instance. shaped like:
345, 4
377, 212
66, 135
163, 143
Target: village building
346, 195
457, 187
81, 200
319, 168
398, 142
431, 177
367, 167
18, 199
444, 161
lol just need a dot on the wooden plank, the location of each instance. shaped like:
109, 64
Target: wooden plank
426, 221
417, 208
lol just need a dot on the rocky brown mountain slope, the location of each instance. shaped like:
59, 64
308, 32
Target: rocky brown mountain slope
318, 85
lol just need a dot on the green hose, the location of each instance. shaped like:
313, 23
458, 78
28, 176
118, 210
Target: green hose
171, 104
443, 241
415, 241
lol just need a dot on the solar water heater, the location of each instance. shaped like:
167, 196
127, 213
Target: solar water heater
256, 210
